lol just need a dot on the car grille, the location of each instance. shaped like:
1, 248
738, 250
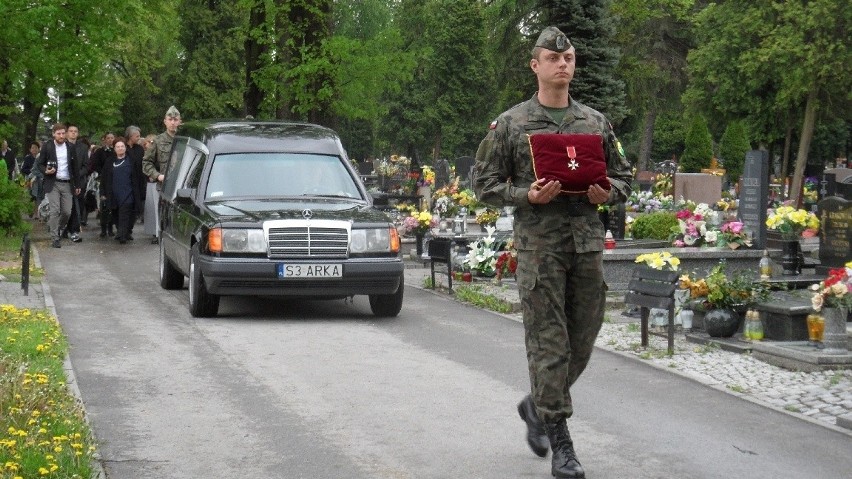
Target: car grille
307, 238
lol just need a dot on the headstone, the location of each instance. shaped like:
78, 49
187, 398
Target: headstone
442, 173
698, 187
464, 165
617, 217
667, 167
646, 180
835, 232
753, 195
840, 174
365, 167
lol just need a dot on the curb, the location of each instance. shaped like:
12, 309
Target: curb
71, 379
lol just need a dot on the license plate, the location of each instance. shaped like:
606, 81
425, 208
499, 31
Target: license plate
304, 270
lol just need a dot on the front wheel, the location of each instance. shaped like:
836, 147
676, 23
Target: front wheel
201, 303
388, 305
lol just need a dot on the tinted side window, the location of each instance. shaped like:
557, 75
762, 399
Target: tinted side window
195, 169
173, 172
185, 157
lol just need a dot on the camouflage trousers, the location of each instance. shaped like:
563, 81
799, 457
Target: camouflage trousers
562, 298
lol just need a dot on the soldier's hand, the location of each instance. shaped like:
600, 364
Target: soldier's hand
597, 195
542, 191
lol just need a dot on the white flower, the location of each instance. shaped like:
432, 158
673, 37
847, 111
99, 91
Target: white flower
816, 302
711, 236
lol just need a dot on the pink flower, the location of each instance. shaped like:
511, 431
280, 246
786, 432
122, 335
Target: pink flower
679, 243
683, 214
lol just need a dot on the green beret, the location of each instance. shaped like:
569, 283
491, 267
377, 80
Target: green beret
552, 38
172, 112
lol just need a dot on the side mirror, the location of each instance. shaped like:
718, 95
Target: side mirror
184, 195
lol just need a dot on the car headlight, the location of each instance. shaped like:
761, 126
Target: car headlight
374, 240
222, 240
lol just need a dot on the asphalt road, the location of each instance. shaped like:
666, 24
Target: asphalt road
302, 389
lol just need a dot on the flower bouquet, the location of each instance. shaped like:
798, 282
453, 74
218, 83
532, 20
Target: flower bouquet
791, 222
663, 261
691, 228
487, 217
482, 256
427, 178
733, 236
418, 222
834, 291
445, 204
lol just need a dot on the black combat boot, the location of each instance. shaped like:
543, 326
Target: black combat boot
565, 463
536, 437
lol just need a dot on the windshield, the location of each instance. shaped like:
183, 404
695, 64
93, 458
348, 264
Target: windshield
279, 174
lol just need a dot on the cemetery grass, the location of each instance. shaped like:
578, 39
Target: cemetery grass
43, 431
11, 260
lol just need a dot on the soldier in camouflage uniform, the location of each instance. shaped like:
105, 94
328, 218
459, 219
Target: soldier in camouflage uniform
559, 239
154, 166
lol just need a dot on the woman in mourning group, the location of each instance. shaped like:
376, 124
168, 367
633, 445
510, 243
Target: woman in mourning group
120, 190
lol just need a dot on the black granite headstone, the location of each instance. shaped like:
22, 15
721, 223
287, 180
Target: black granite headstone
442, 173
835, 232
617, 217
464, 165
753, 195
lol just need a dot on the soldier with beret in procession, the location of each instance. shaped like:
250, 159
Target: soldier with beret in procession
154, 166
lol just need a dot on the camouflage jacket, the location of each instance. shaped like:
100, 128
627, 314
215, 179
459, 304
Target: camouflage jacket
504, 174
156, 159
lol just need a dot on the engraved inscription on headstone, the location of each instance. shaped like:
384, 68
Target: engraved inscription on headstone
835, 232
753, 195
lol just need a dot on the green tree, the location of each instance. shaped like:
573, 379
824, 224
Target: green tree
592, 31
669, 135
66, 60
211, 62
732, 150
698, 146
780, 66
441, 110
655, 36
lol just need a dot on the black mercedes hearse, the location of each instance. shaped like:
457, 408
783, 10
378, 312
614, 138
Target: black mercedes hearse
273, 208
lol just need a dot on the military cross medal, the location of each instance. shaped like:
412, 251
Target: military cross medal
572, 154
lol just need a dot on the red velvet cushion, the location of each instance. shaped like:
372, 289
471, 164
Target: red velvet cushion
577, 160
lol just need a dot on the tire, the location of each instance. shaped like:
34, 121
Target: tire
201, 303
388, 305
170, 277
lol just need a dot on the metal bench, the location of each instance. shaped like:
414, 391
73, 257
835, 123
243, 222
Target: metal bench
440, 251
651, 288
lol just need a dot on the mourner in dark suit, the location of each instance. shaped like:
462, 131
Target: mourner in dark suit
57, 162
9, 156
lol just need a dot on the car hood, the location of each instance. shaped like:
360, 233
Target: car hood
264, 210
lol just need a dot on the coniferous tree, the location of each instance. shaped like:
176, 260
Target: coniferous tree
592, 32
732, 149
698, 147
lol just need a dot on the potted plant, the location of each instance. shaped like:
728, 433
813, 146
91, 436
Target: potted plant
833, 299
723, 297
